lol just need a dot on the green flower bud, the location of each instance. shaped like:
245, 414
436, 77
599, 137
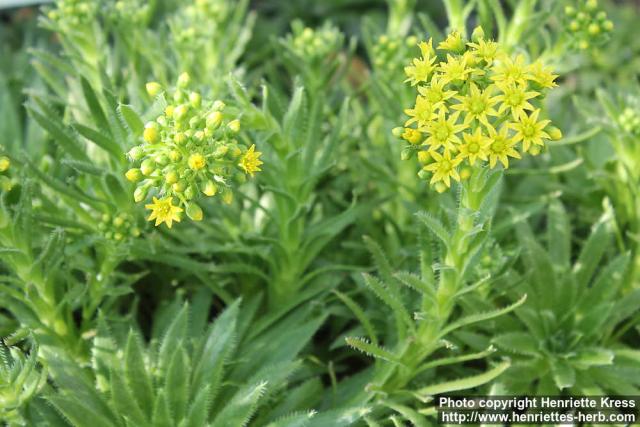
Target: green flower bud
162, 121
161, 160
218, 105
210, 188
153, 88
406, 154
190, 192
234, 126
147, 167
118, 221
440, 187
151, 135
227, 196
397, 132
179, 186
424, 174
465, 173
171, 177
178, 96
195, 99
106, 218
117, 237
135, 153
199, 135
174, 155
593, 29
477, 34
140, 194
591, 4
554, 133
135, 232
569, 10
169, 111
5, 163
183, 80
607, 25
180, 138
574, 25
180, 112
214, 119
194, 212
134, 175
220, 151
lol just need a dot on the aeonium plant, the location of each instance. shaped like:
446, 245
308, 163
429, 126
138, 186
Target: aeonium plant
189, 151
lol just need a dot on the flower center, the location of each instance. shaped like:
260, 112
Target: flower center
497, 146
474, 147
445, 165
528, 130
477, 106
515, 99
442, 133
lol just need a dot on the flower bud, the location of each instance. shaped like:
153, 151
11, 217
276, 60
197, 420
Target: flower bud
554, 133
194, 212
140, 194
214, 119
135, 153
397, 132
180, 138
234, 126
199, 135
169, 111
465, 173
5, 163
134, 175
179, 187
424, 157
183, 80
592, 4
218, 105
147, 167
171, 177
161, 160
607, 25
477, 34
118, 221
135, 232
189, 193
227, 196
569, 10
574, 25
210, 189
440, 187
406, 154
197, 161
424, 174
180, 112
584, 45
195, 99
151, 135
593, 29
535, 150
220, 151
153, 88
235, 152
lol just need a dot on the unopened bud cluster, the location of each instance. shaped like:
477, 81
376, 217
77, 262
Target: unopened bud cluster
587, 24
630, 121
314, 44
196, 21
188, 152
389, 54
128, 12
73, 13
118, 228
474, 104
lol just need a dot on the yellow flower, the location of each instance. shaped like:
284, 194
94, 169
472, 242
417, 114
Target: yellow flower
412, 136
435, 93
515, 98
529, 130
422, 112
197, 161
475, 146
488, 51
453, 42
164, 211
477, 105
542, 75
502, 146
443, 168
443, 130
508, 70
422, 67
455, 69
250, 161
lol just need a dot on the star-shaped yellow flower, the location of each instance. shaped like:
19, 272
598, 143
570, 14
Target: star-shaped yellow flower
164, 211
421, 113
529, 130
508, 70
502, 146
477, 105
250, 161
436, 93
475, 147
443, 168
443, 130
515, 98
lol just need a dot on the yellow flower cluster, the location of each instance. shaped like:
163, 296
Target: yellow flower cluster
189, 151
587, 24
474, 104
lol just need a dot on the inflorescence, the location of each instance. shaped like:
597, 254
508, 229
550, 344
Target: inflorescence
587, 24
189, 151
474, 104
